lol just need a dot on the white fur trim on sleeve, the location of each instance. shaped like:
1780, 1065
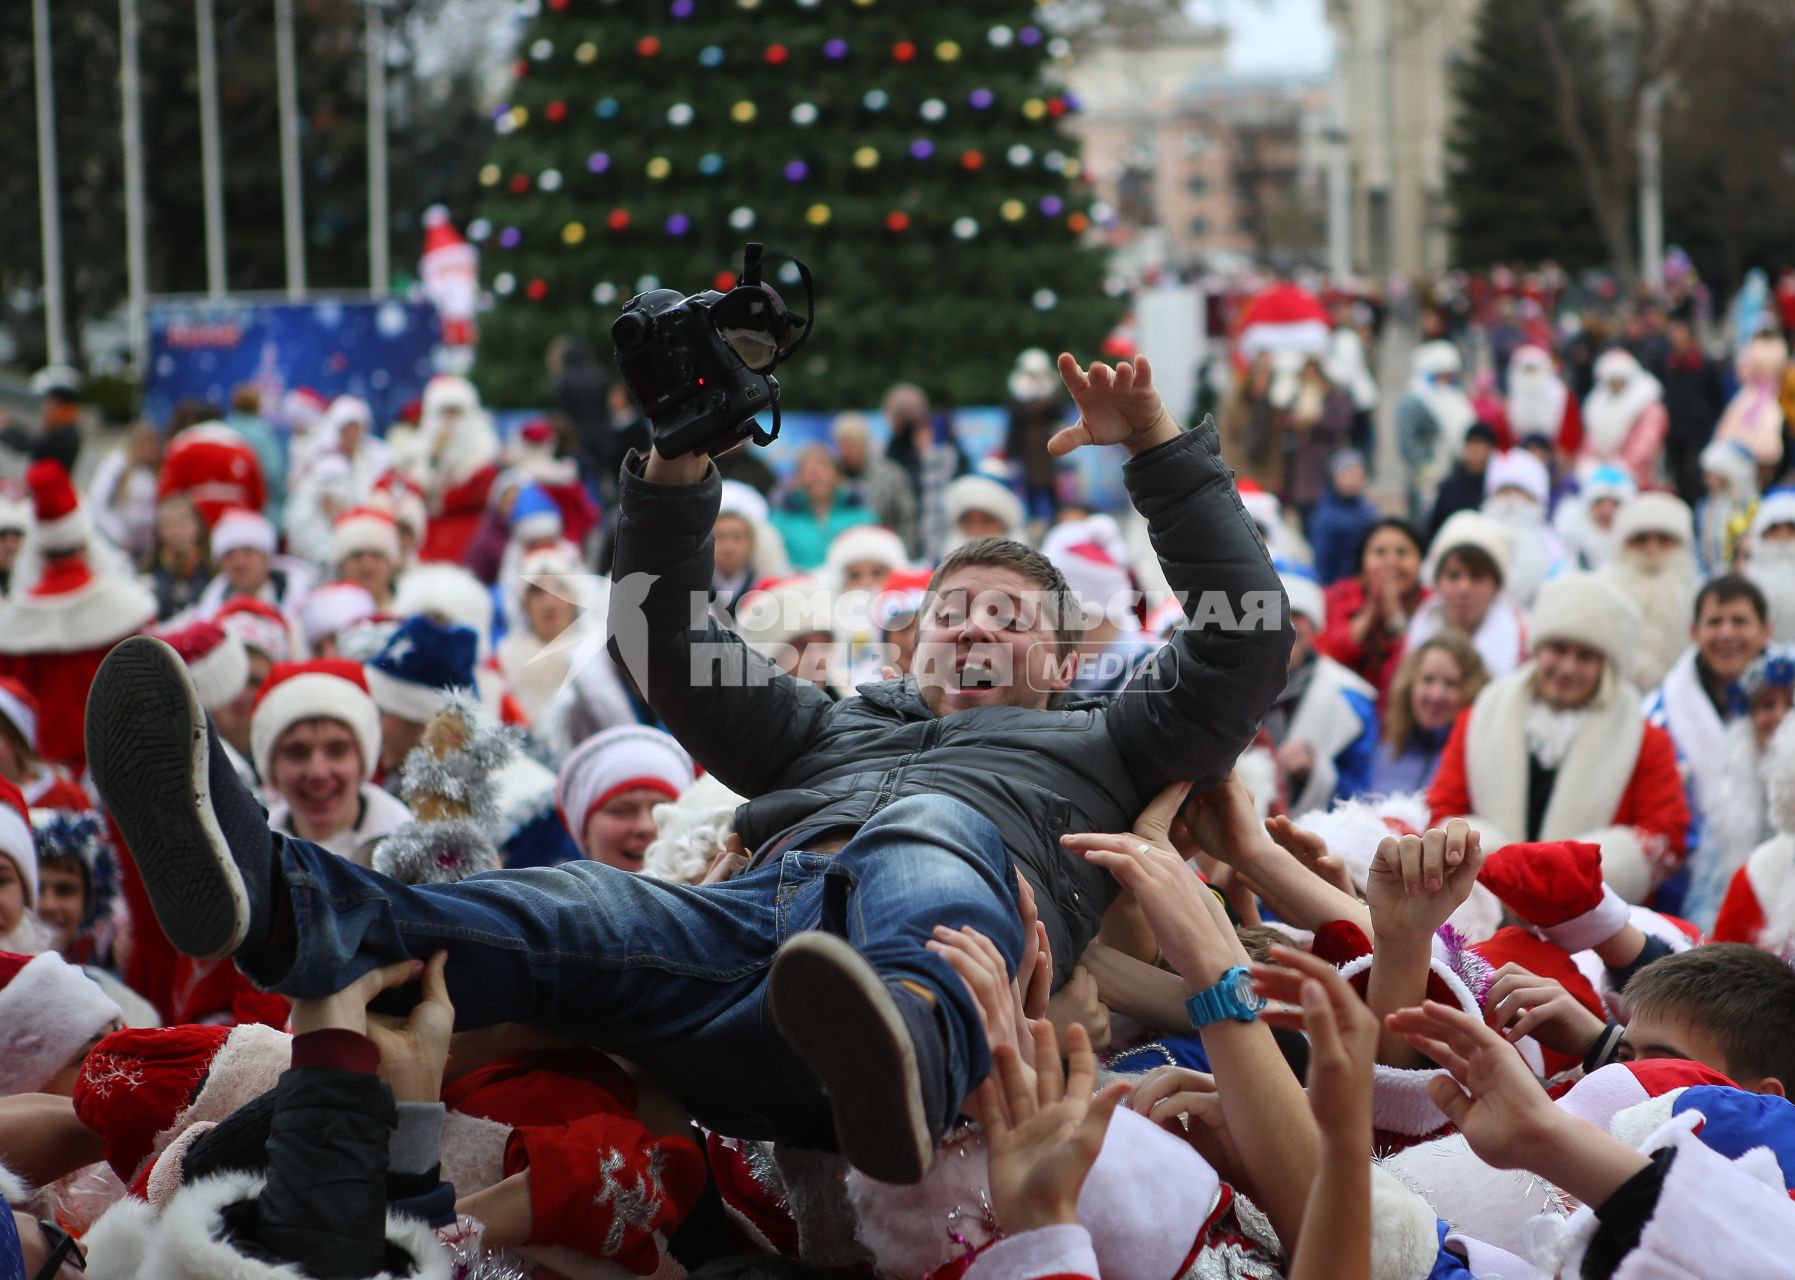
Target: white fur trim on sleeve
117, 1243
1595, 926
1405, 1234
1049, 1251
1399, 1101
1624, 863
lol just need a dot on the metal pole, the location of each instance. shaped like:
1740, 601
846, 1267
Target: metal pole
286, 75
211, 153
379, 266
1651, 189
136, 258
49, 202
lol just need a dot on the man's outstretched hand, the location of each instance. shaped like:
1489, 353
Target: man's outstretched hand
1115, 406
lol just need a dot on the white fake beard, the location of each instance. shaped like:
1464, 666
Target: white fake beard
29, 937
1550, 732
1665, 596
1536, 404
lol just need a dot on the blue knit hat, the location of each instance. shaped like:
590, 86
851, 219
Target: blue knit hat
534, 516
421, 662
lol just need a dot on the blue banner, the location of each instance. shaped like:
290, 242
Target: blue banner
200, 350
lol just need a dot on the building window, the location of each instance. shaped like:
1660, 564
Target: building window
1199, 227
1198, 185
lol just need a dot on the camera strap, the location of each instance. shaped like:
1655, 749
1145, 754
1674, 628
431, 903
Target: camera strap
754, 257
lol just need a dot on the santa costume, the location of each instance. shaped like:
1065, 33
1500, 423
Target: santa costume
456, 463
531, 451
289, 578
1518, 496
1589, 542
54, 636
1501, 638
1539, 403
1599, 773
42, 786
1662, 585
1624, 419
214, 466
1759, 907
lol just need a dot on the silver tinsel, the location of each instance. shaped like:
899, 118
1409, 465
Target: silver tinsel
447, 851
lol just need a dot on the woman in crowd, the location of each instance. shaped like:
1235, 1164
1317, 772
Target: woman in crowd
1467, 566
1369, 614
610, 785
177, 567
1437, 679
816, 508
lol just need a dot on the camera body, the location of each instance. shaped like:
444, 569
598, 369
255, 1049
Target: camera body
701, 367
698, 395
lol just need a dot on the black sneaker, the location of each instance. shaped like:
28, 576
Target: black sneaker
200, 840
880, 1057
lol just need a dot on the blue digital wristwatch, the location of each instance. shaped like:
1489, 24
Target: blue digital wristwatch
1232, 997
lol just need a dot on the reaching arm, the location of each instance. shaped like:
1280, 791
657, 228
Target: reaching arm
740, 716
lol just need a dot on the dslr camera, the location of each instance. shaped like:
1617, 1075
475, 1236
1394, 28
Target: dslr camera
701, 367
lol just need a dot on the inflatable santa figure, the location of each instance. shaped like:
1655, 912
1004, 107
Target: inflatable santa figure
450, 269
54, 634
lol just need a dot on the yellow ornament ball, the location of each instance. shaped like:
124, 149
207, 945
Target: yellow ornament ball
1034, 108
1012, 210
866, 157
520, 117
1071, 169
490, 175
864, 4
587, 52
659, 167
818, 214
743, 112
573, 233
948, 50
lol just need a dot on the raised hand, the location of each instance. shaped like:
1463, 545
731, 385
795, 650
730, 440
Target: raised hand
1043, 1133
1078, 1003
1314, 999
415, 1049
1312, 851
1115, 406
1416, 882
1521, 1004
981, 967
1496, 1102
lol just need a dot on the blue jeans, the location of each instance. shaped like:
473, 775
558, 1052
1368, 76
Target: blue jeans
671, 976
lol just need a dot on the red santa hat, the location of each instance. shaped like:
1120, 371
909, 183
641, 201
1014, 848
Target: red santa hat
364, 529
16, 841
332, 608
1093, 557
140, 1087
215, 466
1587, 609
1264, 507
50, 1010
1557, 888
301, 408
59, 521
18, 705
238, 528
322, 689
862, 544
402, 500
215, 658
258, 624
617, 760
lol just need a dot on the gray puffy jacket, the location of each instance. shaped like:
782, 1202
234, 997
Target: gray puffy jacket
1087, 765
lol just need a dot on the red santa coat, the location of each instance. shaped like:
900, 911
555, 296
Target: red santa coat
1759, 908
600, 1182
53, 639
1618, 786
215, 467
457, 517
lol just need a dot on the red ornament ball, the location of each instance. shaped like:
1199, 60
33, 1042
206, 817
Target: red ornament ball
536, 290
776, 54
1078, 224
904, 50
724, 281
520, 183
648, 46
897, 221
618, 220
1056, 106
557, 5
972, 160
520, 68
556, 111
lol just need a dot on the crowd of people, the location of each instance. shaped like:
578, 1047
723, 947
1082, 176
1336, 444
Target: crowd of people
432, 851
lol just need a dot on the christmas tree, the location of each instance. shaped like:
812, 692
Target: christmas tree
1514, 187
911, 152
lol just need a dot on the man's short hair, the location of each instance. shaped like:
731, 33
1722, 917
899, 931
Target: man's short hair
1742, 997
1475, 561
1727, 588
1019, 558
